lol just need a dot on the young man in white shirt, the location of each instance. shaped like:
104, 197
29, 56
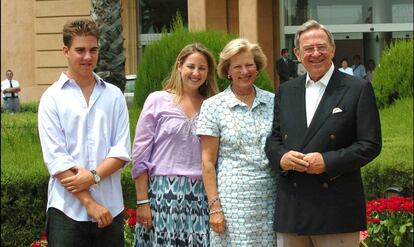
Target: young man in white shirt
10, 91
84, 133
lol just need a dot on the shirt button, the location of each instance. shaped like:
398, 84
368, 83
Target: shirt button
332, 137
286, 136
325, 185
295, 185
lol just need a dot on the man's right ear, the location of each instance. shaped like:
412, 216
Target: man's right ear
297, 53
65, 50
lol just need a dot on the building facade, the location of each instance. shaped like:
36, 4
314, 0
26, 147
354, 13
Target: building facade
31, 42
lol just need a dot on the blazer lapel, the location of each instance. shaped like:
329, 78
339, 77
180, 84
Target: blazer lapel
330, 99
300, 100
296, 108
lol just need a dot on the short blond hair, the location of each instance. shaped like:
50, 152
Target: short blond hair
235, 47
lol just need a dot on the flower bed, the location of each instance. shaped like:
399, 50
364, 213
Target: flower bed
390, 222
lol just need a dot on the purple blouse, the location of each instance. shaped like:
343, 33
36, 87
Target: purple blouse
165, 142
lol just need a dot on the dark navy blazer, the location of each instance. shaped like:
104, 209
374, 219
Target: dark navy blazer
332, 202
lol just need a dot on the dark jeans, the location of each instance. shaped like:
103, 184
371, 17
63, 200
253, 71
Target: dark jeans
63, 231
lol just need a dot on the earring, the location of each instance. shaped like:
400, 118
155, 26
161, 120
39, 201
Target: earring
206, 82
229, 77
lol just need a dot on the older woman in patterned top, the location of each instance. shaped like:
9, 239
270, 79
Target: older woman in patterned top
172, 207
233, 126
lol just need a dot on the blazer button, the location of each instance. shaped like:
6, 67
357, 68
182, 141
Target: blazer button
286, 136
332, 137
325, 185
295, 185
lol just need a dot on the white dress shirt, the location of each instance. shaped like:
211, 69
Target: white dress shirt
314, 93
75, 134
5, 84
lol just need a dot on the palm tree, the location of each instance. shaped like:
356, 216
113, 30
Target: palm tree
111, 63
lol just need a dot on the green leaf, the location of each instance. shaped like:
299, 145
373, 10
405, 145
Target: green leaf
403, 228
397, 240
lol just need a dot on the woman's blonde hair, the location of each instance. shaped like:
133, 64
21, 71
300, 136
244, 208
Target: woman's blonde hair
174, 82
237, 46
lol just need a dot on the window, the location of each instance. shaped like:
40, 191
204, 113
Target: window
154, 15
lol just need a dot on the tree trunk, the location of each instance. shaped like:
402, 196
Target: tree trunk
111, 63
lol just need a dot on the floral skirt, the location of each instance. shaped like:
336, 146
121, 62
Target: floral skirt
180, 213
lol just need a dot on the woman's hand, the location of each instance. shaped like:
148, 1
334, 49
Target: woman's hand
144, 216
217, 222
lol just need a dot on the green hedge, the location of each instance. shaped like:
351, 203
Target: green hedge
393, 78
160, 56
394, 165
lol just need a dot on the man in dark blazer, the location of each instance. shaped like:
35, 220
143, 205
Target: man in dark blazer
285, 66
326, 127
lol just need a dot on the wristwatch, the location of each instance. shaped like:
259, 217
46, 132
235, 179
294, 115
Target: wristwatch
96, 177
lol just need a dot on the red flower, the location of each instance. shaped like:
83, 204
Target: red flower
132, 221
131, 212
44, 237
36, 244
376, 220
407, 206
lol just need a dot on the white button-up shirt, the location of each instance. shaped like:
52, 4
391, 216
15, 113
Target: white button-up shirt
314, 93
75, 134
5, 84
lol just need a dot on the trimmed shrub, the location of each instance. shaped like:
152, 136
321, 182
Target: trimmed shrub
394, 166
29, 107
23, 180
160, 56
393, 78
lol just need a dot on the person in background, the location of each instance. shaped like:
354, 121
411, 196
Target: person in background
10, 92
370, 70
344, 67
172, 208
233, 127
326, 127
285, 67
358, 68
84, 133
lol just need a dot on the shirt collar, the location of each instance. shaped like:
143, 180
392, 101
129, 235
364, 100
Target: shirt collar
64, 80
233, 101
324, 80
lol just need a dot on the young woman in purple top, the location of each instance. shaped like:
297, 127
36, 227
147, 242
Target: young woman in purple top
172, 208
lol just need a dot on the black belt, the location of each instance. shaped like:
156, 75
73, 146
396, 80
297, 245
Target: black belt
10, 97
